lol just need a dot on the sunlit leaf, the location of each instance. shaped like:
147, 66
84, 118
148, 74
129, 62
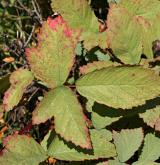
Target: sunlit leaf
79, 16
132, 27
102, 148
123, 141
120, 87
150, 151
52, 59
69, 119
21, 149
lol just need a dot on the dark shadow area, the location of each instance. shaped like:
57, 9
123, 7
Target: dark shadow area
130, 118
100, 8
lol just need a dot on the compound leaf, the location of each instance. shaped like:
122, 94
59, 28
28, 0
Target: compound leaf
120, 87
21, 149
19, 79
102, 148
123, 141
69, 119
52, 59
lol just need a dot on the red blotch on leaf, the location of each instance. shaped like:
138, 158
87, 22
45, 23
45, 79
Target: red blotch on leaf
53, 23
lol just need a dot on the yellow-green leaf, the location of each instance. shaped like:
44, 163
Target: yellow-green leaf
120, 87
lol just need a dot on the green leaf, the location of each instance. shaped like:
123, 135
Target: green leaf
123, 36
123, 141
132, 29
145, 162
19, 79
103, 116
120, 87
111, 162
79, 16
150, 151
4, 81
52, 60
115, 162
152, 117
21, 149
101, 145
68, 115
102, 148
96, 65
103, 163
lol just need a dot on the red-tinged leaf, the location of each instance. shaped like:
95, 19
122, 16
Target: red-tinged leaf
52, 59
80, 17
102, 148
20, 79
21, 149
69, 119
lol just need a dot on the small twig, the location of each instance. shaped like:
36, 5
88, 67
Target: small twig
37, 12
30, 36
28, 11
38, 8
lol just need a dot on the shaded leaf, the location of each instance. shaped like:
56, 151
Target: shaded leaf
1, 111
52, 59
62, 103
21, 149
152, 117
150, 151
120, 87
102, 148
89, 105
123, 141
4, 81
19, 79
103, 116
103, 163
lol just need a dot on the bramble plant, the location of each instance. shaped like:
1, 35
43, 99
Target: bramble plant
101, 89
